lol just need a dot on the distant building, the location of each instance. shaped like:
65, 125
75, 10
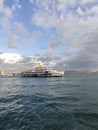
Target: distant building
3, 73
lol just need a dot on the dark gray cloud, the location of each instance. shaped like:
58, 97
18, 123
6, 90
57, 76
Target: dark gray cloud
48, 59
55, 44
87, 56
37, 55
84, 56
26, 59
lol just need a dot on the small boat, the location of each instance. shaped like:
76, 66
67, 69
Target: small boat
42, 72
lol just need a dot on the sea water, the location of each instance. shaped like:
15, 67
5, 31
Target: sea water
55, 103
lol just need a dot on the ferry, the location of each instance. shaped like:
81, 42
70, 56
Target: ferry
42, 72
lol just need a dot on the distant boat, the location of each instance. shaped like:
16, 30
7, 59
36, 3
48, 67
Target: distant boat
41, 72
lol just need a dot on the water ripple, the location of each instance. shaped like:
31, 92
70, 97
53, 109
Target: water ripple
67, 103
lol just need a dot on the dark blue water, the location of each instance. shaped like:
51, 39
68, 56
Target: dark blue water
64, 103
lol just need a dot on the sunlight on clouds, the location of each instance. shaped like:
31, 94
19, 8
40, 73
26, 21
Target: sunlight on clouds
10, 58
66, 29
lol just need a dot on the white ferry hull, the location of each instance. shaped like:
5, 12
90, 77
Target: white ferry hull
38, 74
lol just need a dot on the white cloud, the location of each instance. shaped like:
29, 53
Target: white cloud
44, 20
89, 23
18, 33
10, 58
31, 1
16, 5
5, 10
91, 11
62, 4
94, 9
80, 12
5, 15
13, 62
65, 23
87, 1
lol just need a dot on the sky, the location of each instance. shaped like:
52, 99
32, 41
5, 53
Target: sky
53, 33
